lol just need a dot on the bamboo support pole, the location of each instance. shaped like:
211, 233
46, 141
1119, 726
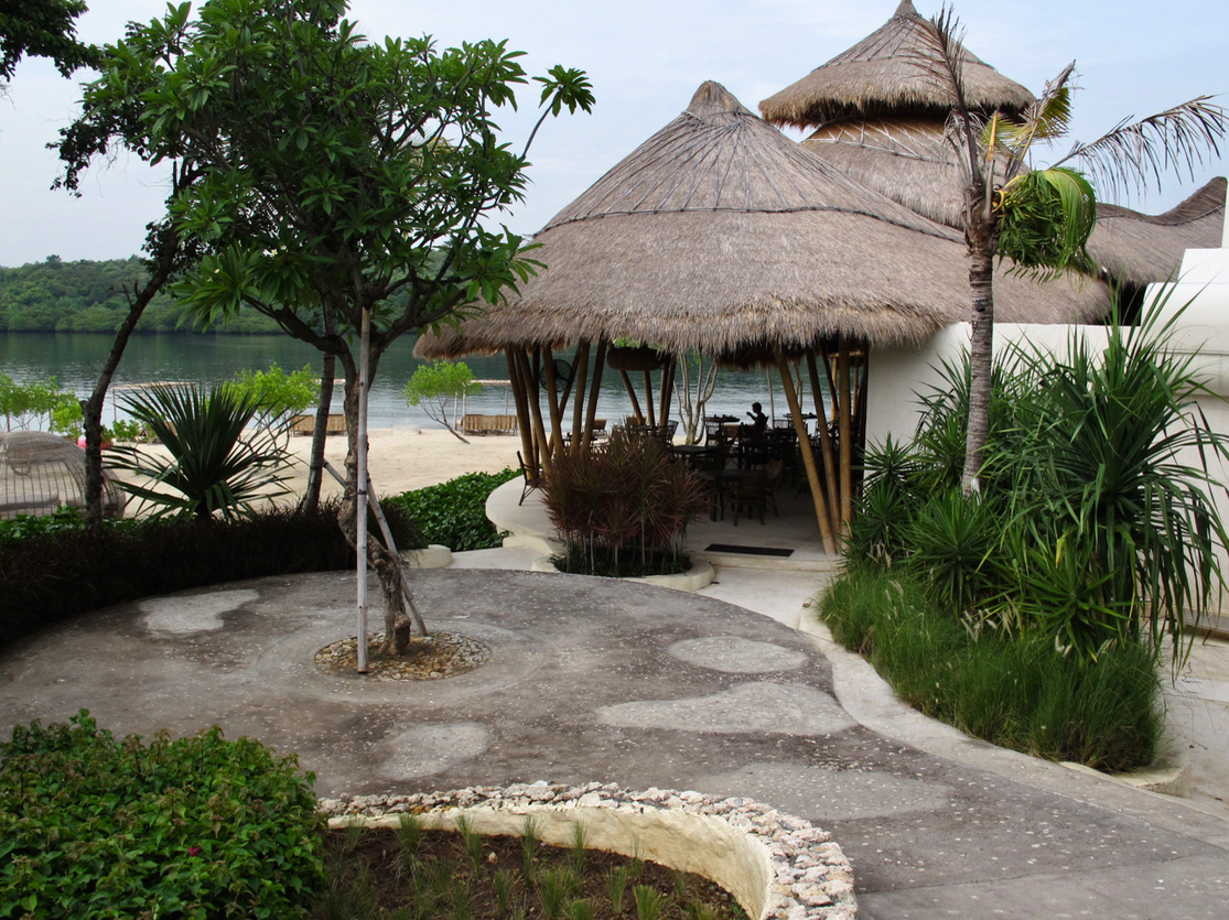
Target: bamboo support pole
552, 401
808, 455
599, 368
825, 439
648, 398
523, 423
667, 390
631, 393
580, 373
827, 355
863, 402
846, 440
535, 406
373, 502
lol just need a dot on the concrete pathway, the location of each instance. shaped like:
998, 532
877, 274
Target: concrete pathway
591, 679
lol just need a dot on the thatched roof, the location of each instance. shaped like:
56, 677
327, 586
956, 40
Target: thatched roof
908, 161
1141, 248
887, 72
719, 233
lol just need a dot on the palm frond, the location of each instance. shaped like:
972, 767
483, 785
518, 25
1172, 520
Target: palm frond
940, 54
1046, 217
1136, 155
1048, 118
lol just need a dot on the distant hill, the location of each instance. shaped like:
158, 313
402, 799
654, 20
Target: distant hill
57, 296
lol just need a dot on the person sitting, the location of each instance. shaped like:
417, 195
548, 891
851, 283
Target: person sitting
759, 420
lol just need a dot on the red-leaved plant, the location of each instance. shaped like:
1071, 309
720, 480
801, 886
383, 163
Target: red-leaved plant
623, 508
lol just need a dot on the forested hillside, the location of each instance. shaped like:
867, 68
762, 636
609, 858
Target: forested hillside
57, 296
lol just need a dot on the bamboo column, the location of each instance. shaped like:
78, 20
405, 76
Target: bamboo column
808, 455
552, 401
580, 372
846, 422
599, 367
631, 392
523, 422
831, 382
535, 407
825, 439
648, 397
667, 389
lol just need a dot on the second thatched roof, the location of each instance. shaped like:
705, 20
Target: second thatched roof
1142, 248
887, 72
909, 161
719, 234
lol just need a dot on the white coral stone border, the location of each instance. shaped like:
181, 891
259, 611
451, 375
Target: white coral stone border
777, 866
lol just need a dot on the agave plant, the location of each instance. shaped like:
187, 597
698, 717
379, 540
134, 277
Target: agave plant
216, 466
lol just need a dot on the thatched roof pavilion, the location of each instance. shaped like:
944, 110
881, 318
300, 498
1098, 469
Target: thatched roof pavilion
719, 233
722, 236
886, 74
879, 118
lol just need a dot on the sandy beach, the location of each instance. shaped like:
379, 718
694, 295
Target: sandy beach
400, 459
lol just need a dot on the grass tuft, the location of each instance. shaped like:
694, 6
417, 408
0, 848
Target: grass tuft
1014, 692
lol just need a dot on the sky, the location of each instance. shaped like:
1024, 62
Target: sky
645, 59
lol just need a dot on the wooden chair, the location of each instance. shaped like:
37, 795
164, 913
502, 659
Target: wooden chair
531, 482
749, 492
773, 473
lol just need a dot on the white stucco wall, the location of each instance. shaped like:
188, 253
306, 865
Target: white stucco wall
897, 376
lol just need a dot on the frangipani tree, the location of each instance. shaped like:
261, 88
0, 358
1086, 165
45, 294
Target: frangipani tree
1042, 218
336, 173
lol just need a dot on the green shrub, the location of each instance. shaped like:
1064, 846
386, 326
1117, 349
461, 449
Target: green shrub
196, 827
453, 513
1019, 693
51, 568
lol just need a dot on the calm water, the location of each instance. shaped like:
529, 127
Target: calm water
75, 360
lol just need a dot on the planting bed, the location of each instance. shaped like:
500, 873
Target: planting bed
778, 867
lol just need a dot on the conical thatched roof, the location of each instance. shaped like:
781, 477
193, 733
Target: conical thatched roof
1141, 248
719, 233
886, 72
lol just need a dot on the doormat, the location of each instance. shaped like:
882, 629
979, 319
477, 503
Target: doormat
747, 550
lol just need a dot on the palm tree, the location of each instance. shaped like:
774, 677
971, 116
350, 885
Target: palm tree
1042, 219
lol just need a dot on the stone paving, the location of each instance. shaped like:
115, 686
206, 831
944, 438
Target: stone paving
591, 680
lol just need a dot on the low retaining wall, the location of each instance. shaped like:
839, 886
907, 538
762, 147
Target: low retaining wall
777, 866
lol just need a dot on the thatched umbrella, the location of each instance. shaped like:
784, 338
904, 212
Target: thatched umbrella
720, 235
886, 73
880, 119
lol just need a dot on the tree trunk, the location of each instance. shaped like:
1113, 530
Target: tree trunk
387, 564
981, 354
91, 408
320, 430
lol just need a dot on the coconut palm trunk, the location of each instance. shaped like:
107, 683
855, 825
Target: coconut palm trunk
981, 350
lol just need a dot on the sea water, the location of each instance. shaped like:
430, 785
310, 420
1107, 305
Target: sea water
75, 360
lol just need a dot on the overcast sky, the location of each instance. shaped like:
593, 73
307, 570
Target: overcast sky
645, 59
